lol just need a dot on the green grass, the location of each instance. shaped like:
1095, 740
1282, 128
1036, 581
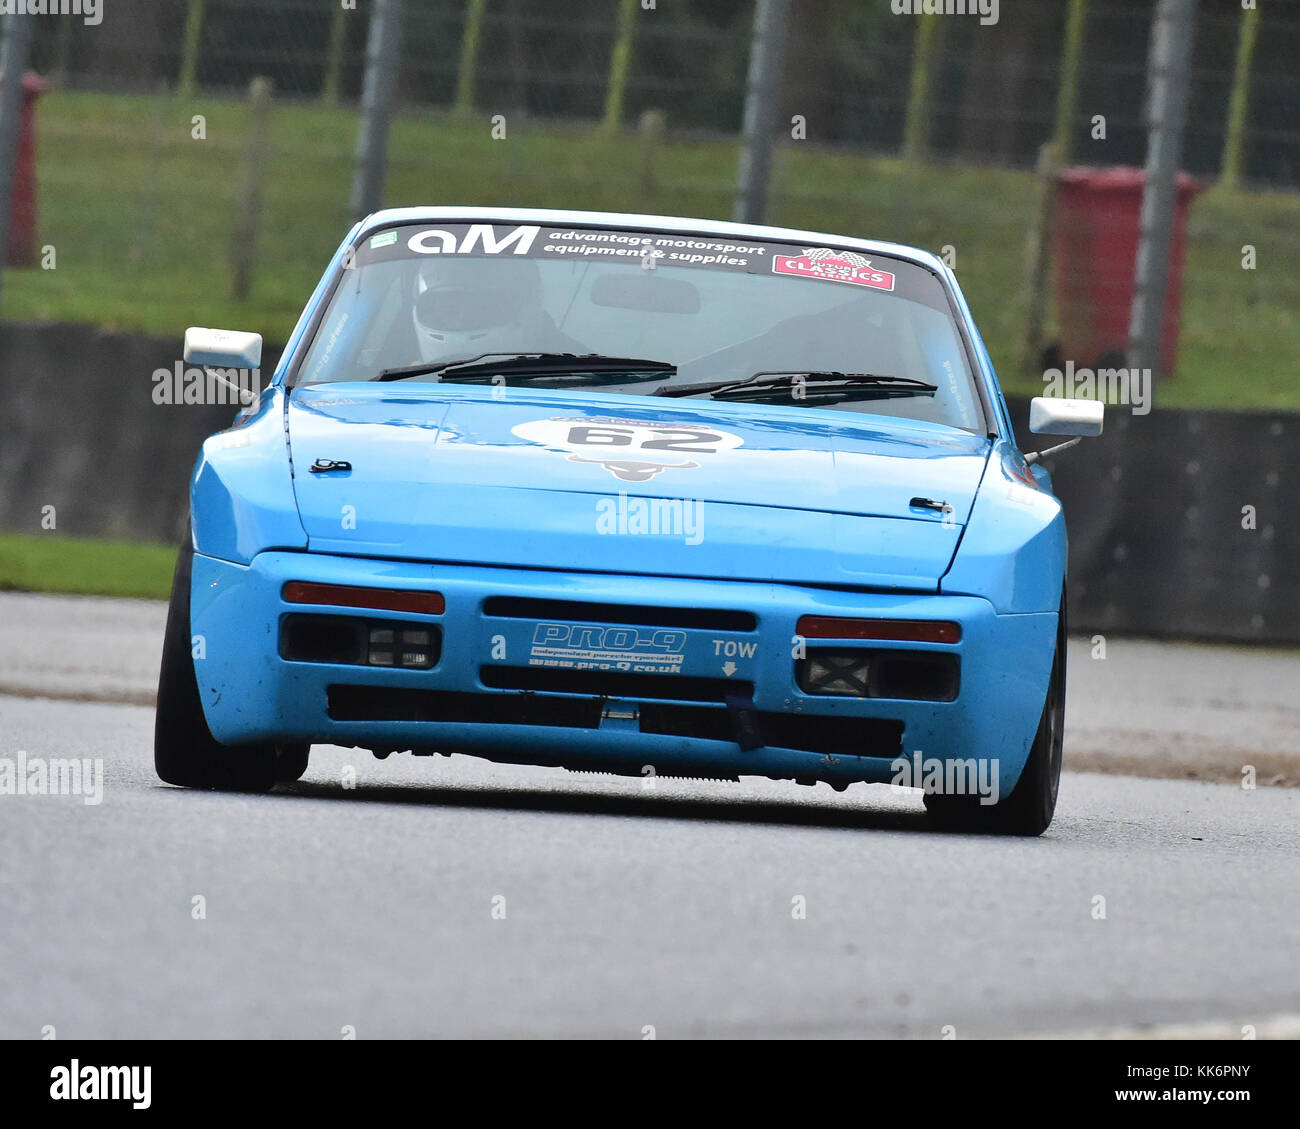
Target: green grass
141, 214
49, 562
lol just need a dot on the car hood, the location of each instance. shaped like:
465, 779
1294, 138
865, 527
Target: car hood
595, 482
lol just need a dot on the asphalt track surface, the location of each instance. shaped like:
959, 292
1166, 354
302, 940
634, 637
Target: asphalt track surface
452, 897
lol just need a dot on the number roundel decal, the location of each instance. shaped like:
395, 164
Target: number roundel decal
631, 450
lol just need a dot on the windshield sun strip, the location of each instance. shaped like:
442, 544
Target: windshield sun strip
975, 372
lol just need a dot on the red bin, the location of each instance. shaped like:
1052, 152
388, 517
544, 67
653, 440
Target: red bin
1095, 227
23, 250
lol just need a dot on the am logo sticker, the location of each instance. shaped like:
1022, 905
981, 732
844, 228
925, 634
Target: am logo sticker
834, 266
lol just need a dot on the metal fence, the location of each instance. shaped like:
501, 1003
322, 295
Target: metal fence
850, 69
142, 206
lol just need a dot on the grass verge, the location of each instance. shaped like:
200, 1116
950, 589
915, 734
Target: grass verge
53, 563
140, 212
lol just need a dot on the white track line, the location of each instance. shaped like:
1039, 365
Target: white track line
1272, 1027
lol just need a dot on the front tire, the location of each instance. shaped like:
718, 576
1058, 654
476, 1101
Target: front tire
1032, 803
184, 750
290, 762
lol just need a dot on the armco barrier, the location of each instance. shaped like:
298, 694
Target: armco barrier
1161, 540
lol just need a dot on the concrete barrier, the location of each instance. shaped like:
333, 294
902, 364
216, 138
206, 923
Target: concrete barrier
1182, 523
1161, 538
84, 434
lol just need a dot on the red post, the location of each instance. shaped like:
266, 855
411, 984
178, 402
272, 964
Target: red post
23, 244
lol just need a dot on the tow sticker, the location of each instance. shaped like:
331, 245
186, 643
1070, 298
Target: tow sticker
631, 450
834, 266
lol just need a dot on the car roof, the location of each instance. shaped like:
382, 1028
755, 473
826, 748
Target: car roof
669, 224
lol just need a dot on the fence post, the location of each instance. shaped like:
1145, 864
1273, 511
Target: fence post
651, 130
916, 127
13, 63
469, 56
1234, 142
620, 63
333, 82
762, 88
383, 56
1068, 95
62, 52
190, 48
1051, 158
1169, 70
248, 221
147, 220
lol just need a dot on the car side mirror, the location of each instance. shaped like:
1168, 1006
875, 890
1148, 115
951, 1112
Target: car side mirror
223, 348
1053, 415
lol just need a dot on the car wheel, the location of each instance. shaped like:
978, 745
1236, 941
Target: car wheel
1029, 808
184, 750
291, 762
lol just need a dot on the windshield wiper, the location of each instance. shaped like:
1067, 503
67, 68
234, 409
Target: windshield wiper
814, 384
478, 370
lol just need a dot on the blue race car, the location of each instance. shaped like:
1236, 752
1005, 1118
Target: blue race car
631, 494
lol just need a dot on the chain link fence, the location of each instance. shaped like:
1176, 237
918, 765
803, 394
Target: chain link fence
918, 129
849, 74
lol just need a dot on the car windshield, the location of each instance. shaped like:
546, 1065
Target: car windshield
702, 309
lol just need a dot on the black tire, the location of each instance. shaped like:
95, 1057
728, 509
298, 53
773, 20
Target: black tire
291, 762
1032, 803
184, 750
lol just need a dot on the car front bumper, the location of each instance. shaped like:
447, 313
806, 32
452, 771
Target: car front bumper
470, 699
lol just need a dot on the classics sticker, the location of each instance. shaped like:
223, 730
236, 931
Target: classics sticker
834, 266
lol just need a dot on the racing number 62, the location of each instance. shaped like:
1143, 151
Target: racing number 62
666, 439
